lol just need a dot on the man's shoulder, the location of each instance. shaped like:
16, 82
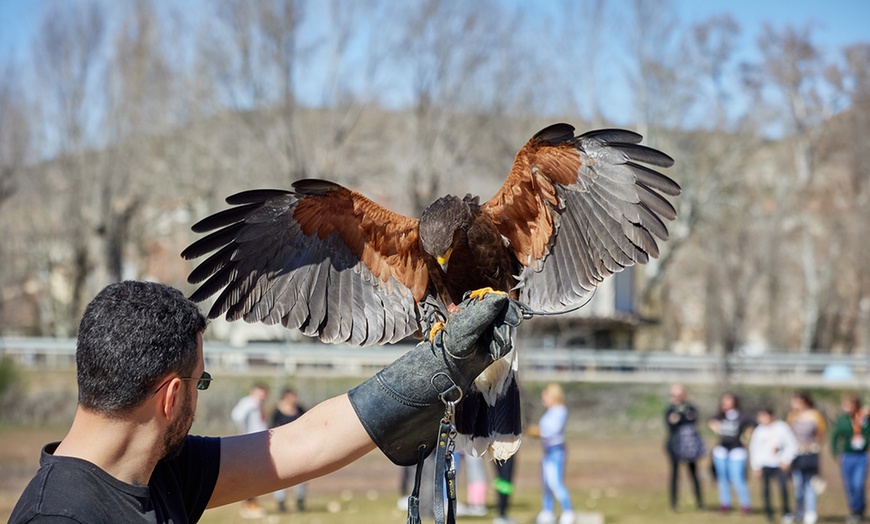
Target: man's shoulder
65, 489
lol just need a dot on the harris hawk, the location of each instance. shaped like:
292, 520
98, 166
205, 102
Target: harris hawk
336, 265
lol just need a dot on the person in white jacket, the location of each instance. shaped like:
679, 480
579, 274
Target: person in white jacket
772, 448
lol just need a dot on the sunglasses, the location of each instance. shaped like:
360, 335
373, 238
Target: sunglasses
202, 383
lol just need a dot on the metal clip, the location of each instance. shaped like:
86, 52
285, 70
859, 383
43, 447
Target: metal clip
446, 394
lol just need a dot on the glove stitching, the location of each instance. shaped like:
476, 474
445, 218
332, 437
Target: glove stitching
392, 393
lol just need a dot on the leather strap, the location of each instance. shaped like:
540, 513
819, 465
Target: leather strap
414, 499
445, 472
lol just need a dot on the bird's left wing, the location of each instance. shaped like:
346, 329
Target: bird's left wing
578, 209
321, 258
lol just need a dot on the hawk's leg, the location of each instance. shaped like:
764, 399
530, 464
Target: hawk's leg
436, 327
482, 292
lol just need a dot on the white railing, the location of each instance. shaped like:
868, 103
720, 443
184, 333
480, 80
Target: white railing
315, 359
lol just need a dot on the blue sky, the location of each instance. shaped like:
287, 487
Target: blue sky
837, 22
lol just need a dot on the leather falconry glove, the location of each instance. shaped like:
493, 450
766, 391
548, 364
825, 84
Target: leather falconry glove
401, 406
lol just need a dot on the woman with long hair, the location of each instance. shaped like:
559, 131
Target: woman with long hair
730, 455
809, 428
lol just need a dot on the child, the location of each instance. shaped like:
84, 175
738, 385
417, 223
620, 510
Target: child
772, 448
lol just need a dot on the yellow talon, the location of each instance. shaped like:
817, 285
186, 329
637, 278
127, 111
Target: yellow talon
482, 292
436, 327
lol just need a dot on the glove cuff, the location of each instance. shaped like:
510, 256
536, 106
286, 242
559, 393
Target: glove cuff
401, 406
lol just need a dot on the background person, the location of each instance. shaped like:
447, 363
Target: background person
286, 411
684, 443
128, 457
729, 455
504, 488
809, 428
849, 447
249, 417
475, 484
551, 430
772, 448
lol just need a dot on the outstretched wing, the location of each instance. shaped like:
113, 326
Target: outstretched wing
321, 258
578, 209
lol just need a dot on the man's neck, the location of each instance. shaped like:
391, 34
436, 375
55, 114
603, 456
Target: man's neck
126, 448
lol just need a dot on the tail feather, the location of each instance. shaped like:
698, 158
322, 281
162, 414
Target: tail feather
491, 427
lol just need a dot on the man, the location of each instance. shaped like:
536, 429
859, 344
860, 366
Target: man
128, 457
684, 443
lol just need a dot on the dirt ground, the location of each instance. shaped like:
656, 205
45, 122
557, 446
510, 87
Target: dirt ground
624, 479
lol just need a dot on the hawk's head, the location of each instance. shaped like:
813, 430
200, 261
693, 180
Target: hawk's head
439, 225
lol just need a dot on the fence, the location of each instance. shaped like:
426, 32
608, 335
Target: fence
314, 359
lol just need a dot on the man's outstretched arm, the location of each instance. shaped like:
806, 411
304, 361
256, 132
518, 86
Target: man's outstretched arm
326, 438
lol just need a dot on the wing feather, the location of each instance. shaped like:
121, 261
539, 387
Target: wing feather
321, 258
576, 209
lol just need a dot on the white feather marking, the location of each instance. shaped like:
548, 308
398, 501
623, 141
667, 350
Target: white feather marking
495, 447
493, 381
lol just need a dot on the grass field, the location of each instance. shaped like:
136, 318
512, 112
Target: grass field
623, 478
617, 466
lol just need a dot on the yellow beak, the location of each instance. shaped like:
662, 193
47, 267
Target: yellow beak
443, 260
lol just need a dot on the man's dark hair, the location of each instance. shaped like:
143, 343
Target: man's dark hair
131, 335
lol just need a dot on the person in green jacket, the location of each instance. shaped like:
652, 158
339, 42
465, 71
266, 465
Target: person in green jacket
849, 446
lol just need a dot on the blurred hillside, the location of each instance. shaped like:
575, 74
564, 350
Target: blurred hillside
134, 120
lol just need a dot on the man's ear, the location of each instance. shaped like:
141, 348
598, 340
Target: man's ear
170, 398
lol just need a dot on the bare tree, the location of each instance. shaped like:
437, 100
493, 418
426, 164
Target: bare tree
719, 205
67, 61
794, 68
456, 54
845, 306
255, 66
14, 132
15, 139
139, 96
654, 72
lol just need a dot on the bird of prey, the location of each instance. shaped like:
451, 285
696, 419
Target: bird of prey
334, 264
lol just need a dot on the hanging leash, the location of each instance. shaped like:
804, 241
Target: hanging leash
445, 469
414, 499
529, 312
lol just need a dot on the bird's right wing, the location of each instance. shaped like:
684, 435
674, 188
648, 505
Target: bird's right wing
321, 258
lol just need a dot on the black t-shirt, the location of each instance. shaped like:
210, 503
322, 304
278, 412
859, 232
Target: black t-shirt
279, 418
67, 489
732, 425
